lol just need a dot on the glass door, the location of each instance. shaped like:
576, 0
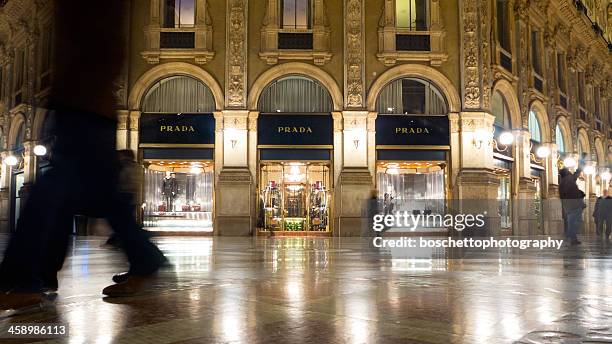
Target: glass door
294, 196
414, 187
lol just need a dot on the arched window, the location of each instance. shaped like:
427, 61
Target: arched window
179, 94
559, 140
581, 148
18, 144
500, 111
295, 94
411, 97
412, 15
534, 127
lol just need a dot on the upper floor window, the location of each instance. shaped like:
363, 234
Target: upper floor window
581, 86
503, 24
179, 13
19, 69
534, 127
536, 56
412, 15
559, 140
296, 14
597, 100
561, 72
46, 53
500, 111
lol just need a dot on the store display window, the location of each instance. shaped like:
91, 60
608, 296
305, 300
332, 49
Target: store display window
178, 195
415, 187
294, 196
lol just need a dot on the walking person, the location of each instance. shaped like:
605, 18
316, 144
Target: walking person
130, 180
599, 213
606, 216
572, 199
84, 178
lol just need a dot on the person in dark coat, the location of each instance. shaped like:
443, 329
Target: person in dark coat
88, 60
572, 200
605, 215
599, 213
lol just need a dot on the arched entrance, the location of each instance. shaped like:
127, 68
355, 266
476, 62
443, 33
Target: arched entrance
412, 148
295, 142
176, 147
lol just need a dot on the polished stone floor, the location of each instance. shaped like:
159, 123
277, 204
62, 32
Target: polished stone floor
324, 290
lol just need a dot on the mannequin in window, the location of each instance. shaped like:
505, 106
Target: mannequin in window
169, 190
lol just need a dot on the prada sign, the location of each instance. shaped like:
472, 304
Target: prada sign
295, 129
412, 130
177, 129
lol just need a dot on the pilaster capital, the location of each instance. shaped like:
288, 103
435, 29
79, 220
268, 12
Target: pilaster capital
235, 119
134, 120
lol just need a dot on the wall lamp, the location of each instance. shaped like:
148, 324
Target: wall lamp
12, 160
503, 142
542, 152
589, 170
40, 150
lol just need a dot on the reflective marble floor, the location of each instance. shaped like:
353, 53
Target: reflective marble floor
323, 290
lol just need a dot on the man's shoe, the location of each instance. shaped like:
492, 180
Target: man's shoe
16, 300
121, 277
133, 285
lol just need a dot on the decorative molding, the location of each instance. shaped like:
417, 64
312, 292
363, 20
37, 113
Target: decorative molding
236, 70
354, 47
201, 53
387, 31
471, 56
320, 53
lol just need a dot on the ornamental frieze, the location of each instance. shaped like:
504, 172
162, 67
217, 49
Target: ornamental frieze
354, 47
237, 64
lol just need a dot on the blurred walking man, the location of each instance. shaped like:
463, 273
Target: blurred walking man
88, 57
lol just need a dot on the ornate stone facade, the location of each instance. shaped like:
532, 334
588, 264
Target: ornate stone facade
354, 54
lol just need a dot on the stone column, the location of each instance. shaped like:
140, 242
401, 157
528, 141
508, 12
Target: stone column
553, 218
355, 181
477, 184
5, 204
134, 135
234, 190
122, 129
524, 207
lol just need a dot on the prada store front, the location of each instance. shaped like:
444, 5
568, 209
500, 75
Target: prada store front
294, 172
412, 149
177, 154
